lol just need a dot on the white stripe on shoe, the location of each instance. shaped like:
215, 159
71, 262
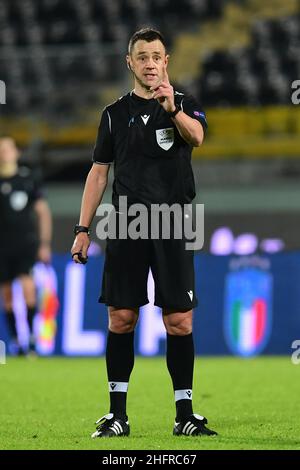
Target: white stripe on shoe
192, 430
118, 425
115, 429
187, 431
186, 426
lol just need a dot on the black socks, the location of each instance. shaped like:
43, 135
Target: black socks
180, 362
30, 316
120, 361
119, 364
11, 323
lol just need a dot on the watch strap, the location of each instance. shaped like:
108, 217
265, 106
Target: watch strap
81, 229
176, 110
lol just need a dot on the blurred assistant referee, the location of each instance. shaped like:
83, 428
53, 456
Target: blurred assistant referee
25, 235
148, 135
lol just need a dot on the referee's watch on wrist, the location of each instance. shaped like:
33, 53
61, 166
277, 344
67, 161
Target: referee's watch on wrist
172, 114
81, 229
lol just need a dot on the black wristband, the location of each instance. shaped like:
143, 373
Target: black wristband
81, 228
173, 113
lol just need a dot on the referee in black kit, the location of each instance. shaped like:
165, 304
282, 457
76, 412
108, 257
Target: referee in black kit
148, 135
25, 237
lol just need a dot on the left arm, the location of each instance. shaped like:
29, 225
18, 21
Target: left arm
190, 129
43, 213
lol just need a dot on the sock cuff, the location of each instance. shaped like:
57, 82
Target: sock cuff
179, 338
118, 387
31, 309
185, 394
120, 336
9, 312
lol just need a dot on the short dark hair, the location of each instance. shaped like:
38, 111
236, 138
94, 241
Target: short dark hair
7, 137
146, 34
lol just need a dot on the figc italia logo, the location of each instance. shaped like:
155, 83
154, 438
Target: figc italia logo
248, 305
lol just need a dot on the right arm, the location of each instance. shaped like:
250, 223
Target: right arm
92, 195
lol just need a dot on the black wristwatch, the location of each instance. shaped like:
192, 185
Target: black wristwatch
176, 110
81, 228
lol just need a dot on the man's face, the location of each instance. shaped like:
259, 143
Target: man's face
8, 151
146, 62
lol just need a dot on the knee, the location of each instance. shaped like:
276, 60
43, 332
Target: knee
31, 302
29, 290
7, 298
7, 303
122, 321
8, 306
179, 325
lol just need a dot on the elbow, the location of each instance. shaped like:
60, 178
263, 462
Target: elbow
97, 179
41, 207
102, 181
198, 137
99, 174
197, 140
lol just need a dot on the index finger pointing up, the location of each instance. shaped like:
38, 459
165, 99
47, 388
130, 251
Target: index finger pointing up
165, 74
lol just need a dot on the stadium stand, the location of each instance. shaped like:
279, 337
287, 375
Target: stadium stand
63, 60
259, 74
47, 43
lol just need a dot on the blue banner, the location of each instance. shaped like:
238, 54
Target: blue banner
248, 305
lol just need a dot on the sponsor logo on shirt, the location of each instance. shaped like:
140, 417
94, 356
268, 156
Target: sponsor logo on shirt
145, 118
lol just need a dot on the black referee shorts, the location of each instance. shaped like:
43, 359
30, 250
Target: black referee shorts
126, 270
16, 262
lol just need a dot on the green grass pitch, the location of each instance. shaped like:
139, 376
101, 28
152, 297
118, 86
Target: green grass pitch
52, 403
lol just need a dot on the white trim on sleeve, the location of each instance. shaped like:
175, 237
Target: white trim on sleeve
102, 163
109, 121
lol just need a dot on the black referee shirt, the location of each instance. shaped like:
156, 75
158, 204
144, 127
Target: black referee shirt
152, 162
18, 219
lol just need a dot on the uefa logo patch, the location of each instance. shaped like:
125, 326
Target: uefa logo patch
18, 200
165, 137
248, 306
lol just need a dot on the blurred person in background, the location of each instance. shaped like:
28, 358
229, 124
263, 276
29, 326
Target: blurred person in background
149, 135
25, 236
